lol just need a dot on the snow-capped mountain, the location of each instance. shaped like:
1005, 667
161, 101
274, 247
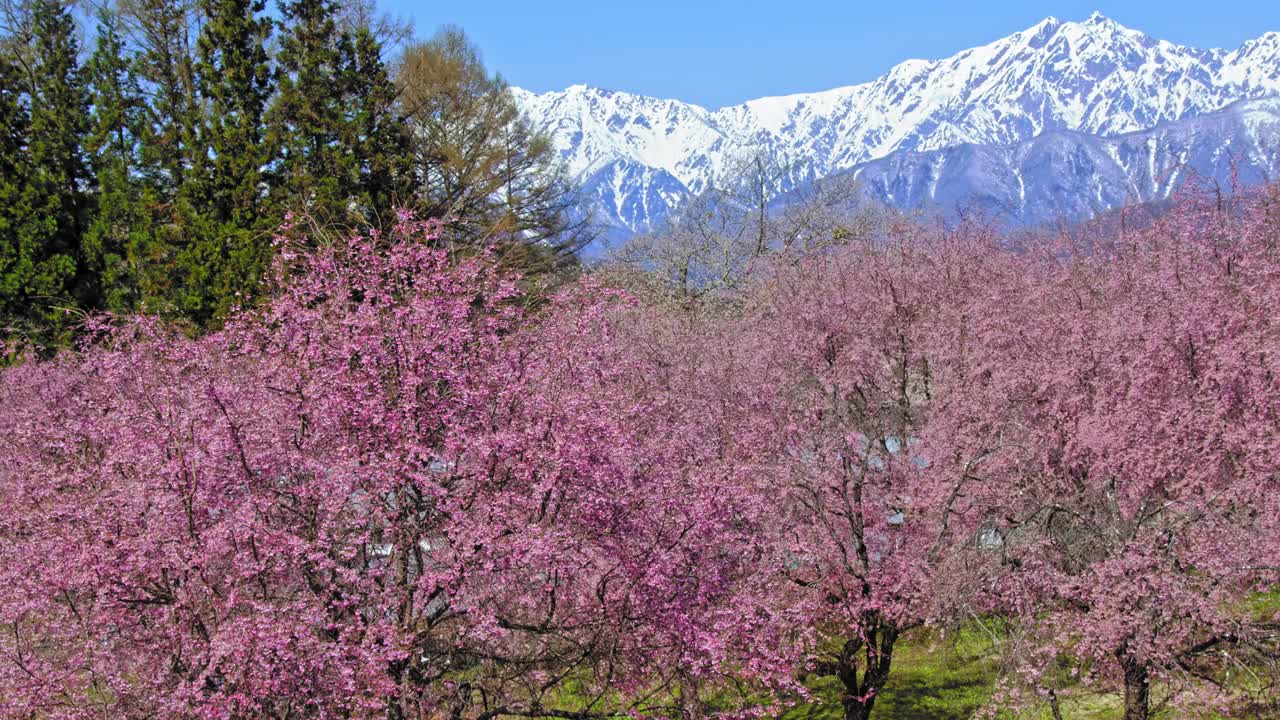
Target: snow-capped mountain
639, 157
1066, 175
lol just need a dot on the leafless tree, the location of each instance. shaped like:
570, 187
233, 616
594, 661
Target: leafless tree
715, 239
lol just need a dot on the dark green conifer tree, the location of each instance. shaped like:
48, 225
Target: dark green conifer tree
119, 250
18, 256
48, 178
226, 233
161, 30
316, 172
234, 75
381, 139
343, 152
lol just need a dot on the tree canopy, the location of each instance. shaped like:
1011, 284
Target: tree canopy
149, 171
394, 491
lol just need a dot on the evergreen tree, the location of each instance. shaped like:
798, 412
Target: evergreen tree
119, 247
308, 117
18, 257
344, 155
59, 112
161, 30
153, 178
233, 73
46, 178
163, 34
382, 142
226, 233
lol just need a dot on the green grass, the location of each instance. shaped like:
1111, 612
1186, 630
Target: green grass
953, 677
943, 678
932, 679
1263, 606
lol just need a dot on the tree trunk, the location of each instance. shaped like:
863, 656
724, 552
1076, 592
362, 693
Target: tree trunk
855, 709
1054, 707
860, 693
1137, 689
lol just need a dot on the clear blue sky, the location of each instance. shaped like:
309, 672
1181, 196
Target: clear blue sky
716, 52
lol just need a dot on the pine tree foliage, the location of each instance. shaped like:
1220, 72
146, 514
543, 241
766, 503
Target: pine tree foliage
150, 172
377, 136
163, 33
234, 76
308, 115
342, 151
45, 125
221, 209
120, 238
17, 259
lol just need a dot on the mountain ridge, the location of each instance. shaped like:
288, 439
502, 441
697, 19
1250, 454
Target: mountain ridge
1064, 175
638, 157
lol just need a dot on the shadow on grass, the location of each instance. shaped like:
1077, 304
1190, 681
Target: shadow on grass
923, 698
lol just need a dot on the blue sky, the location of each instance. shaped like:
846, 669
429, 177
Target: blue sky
714, 52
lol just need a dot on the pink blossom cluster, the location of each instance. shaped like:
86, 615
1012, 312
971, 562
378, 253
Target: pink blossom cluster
395, 492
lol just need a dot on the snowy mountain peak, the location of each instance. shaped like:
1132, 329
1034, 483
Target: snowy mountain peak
639, 156
1261, 46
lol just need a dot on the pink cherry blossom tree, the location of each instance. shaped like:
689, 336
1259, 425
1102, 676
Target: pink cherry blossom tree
394, 493
833, 378
890, 404
385, 495
1113, 414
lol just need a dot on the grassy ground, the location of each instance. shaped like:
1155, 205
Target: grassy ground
932, 679
951, 679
